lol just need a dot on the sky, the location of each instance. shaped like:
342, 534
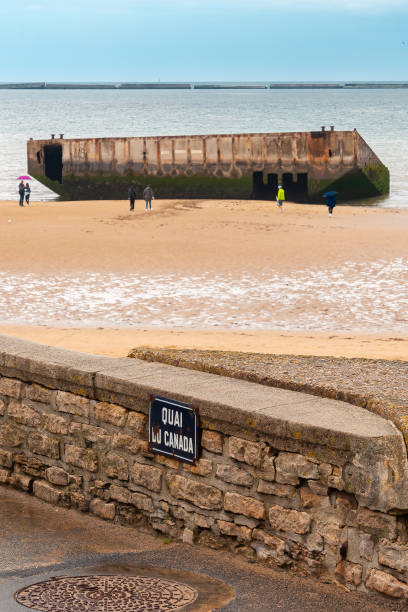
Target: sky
203, 40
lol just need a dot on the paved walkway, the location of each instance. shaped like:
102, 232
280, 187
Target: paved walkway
38, 541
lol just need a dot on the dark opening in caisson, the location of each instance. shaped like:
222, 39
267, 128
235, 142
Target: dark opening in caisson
53, 162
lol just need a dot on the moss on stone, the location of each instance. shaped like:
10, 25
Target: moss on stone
379, 175
356, 184
115, 186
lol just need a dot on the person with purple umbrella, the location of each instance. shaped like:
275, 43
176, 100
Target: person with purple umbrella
21, 192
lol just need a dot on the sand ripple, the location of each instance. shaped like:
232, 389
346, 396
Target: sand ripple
358, 297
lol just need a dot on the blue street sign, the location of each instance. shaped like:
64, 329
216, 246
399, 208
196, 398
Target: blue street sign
173, 429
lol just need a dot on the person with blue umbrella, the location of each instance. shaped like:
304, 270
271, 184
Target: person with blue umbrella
330, 197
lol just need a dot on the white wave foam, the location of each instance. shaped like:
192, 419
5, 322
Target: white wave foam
367, 297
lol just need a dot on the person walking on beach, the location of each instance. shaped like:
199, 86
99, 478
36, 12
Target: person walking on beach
148, 196
27, 192
280, 198
132, 197
21, 190
330, 198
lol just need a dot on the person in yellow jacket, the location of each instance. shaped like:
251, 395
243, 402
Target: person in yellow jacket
280, 198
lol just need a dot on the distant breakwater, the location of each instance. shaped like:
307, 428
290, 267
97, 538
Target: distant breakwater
165, 86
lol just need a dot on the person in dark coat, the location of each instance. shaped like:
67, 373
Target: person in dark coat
330, 202
148, 196
27, 192
132, 196
21, 192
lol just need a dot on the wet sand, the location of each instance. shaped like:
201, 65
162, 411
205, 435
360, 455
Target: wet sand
233, 275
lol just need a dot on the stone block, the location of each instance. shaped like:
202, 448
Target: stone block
31, 465
205, 522
37, 393
72, 404
240, 519
129, 444
41, 444
366, 546
349, 572
119, 494
314, 543
142, 502
180, 513
90, 433
195, 492
102, 509
290, 521
21, 481
167, 526
312, 500
146, 476
168, 462
272, 548
244, 451
137, 422
6, 458
331, 531
110, 413
4, 476
57, 476
292, 466
2, 409
75, 481
79, 501
325, 470
211, 441
275, 488
188, 536
345, 507
211, 540
202, 467
11, 387
318, 487
53, 423
386, 584
48, 493
237, 531
11, 435
267, 471
377, 523
393, 555
248, 506
115, 466
23, 414
335, 480
83, 458
234, 475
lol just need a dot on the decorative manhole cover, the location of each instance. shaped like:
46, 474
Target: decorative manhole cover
106, 594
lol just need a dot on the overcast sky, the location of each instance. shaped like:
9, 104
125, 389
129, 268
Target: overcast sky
198, 40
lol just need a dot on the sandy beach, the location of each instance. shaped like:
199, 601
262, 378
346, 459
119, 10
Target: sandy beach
229, 275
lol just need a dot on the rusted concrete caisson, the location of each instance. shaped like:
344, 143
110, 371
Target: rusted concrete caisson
223, 166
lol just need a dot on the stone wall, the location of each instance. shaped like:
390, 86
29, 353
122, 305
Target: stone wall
283, 478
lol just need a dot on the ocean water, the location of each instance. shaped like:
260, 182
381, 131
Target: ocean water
379, 115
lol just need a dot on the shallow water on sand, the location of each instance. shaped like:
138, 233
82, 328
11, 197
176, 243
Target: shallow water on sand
358, 297
379, 115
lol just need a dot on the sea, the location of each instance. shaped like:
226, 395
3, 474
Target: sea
371, 297
379, 115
